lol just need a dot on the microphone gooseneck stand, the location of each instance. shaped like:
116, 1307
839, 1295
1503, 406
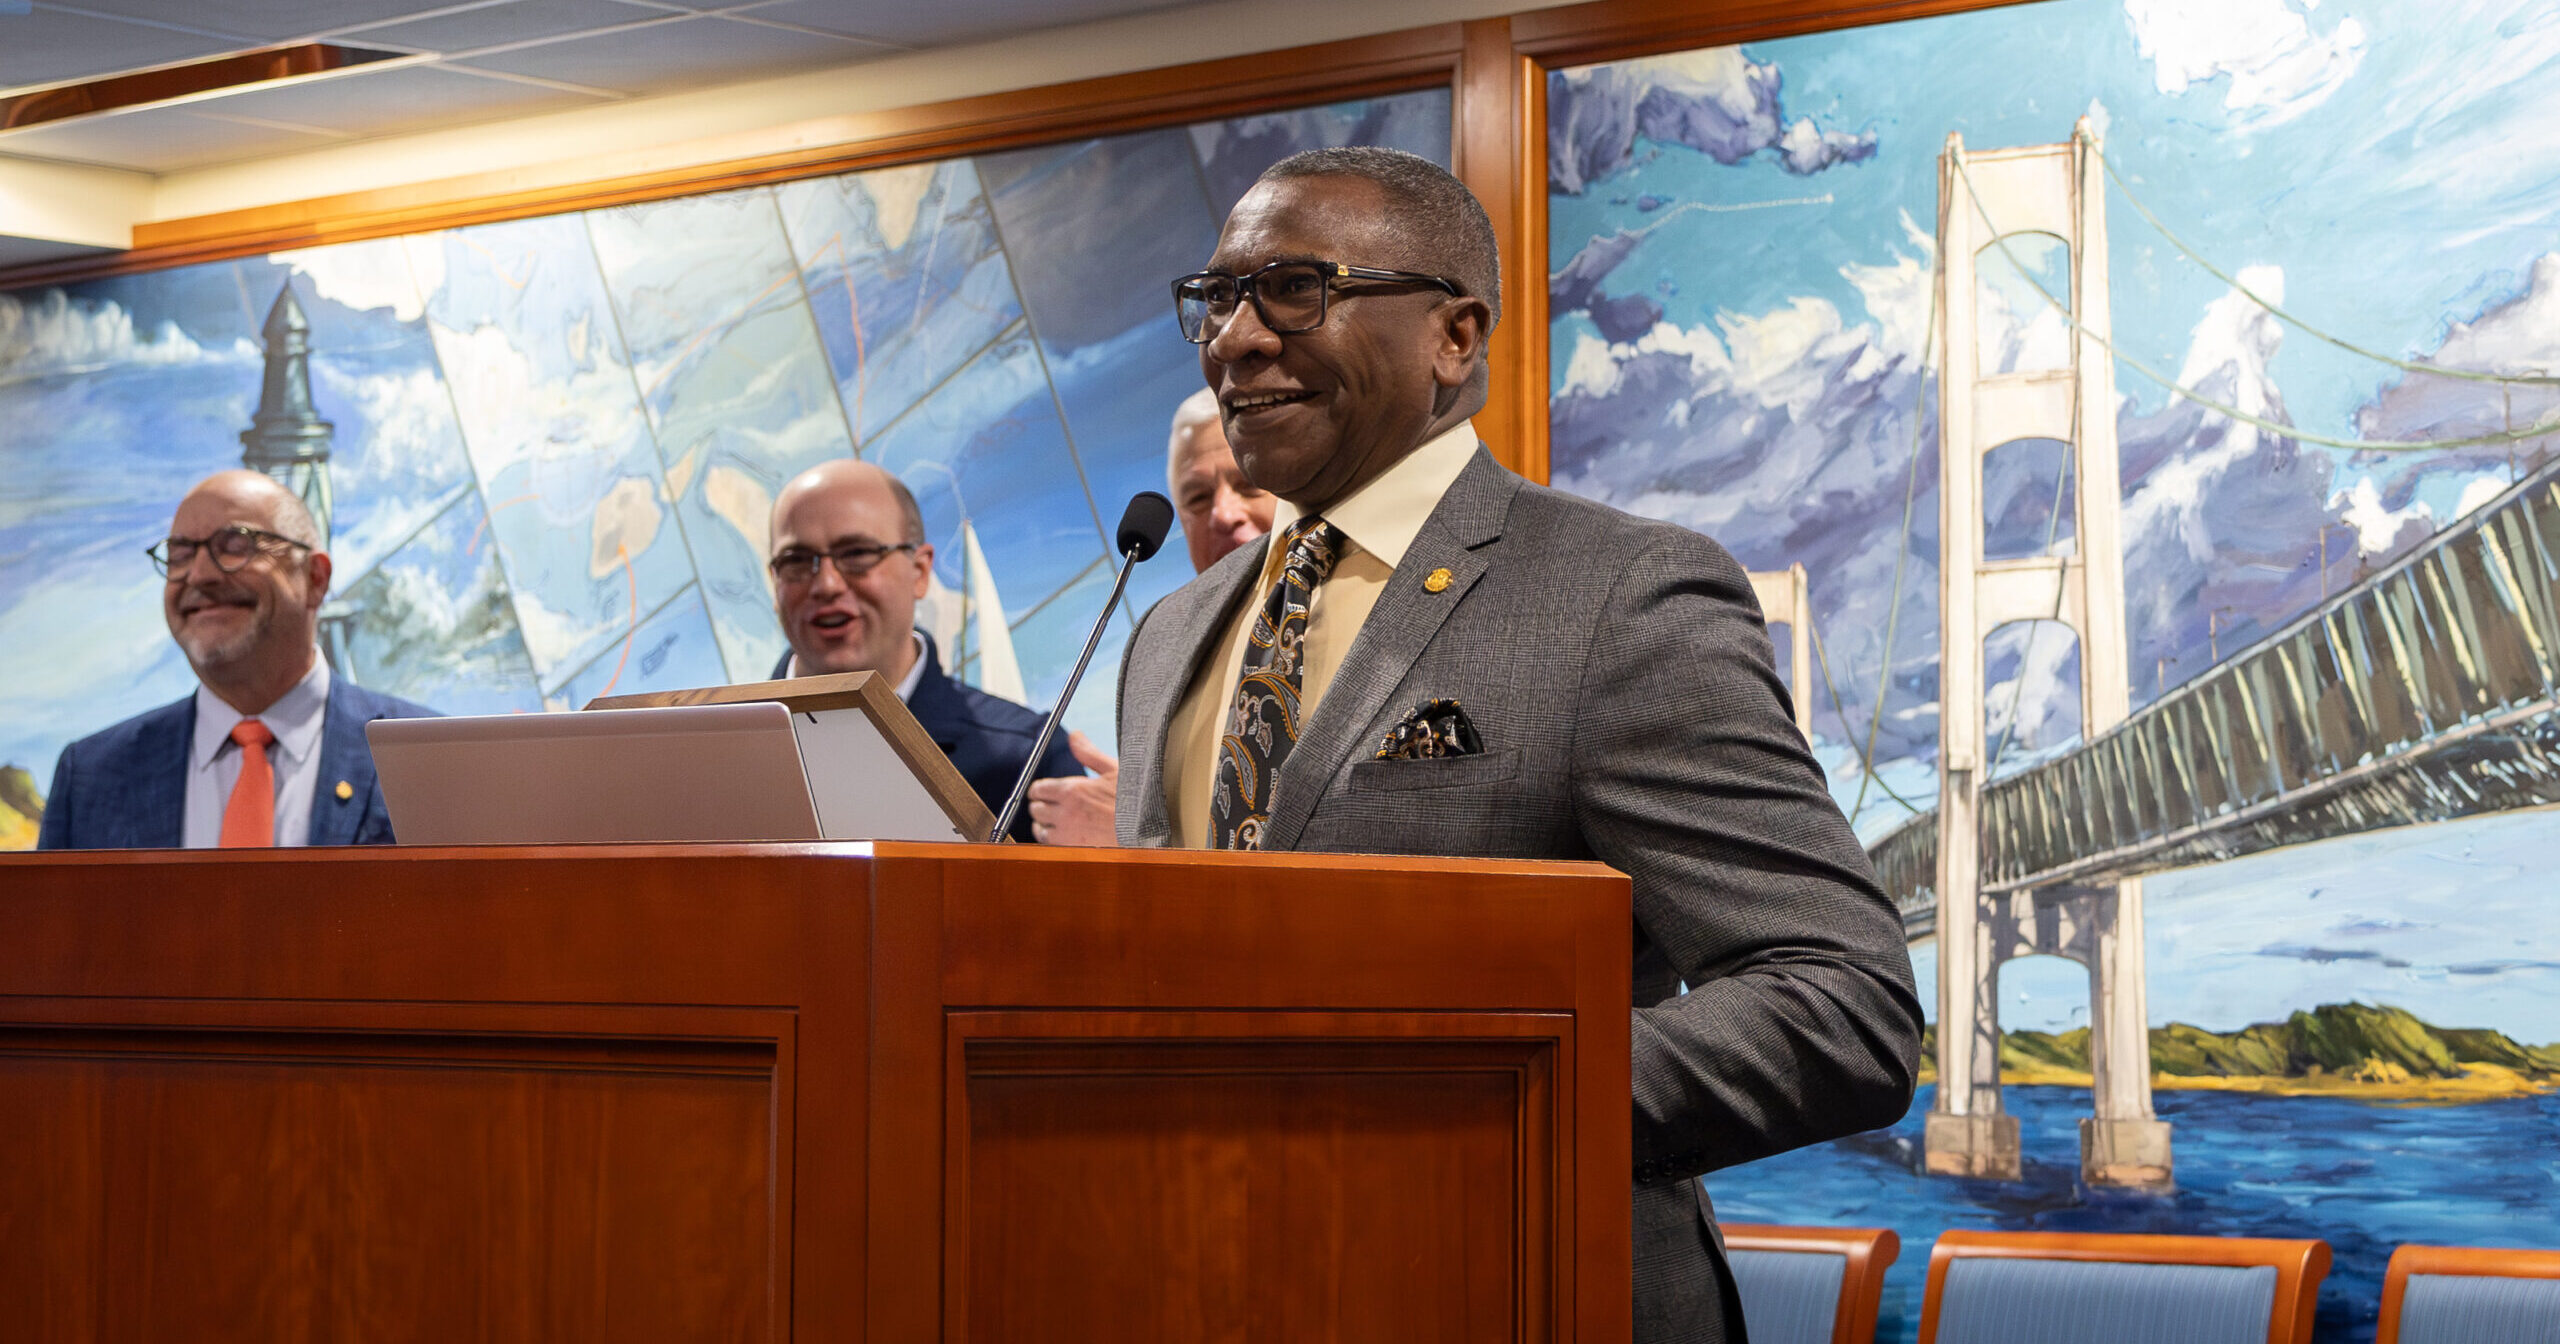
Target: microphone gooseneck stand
1143, 526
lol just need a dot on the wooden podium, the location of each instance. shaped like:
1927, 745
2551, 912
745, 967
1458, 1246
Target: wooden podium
811, 1092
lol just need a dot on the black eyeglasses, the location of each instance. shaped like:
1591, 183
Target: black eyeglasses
232, 548
1289, 296
798, 566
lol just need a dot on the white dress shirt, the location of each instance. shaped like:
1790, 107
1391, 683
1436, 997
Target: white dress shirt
213, 760
906, 685
1379, 522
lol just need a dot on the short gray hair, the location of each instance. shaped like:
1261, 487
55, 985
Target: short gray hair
1431, 212
1200, 408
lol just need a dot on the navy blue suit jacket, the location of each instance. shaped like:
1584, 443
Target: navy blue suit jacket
126, 787
987, 737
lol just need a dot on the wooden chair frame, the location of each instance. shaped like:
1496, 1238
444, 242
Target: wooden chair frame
1870, 1251
2299, 1265
2469, 1261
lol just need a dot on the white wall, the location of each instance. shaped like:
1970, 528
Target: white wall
96, 207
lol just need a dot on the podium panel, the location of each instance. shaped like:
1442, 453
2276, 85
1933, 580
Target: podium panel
354, 1185
821, 1092
1252, 1189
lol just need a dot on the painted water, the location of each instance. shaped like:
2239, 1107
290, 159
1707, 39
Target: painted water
2366, 1177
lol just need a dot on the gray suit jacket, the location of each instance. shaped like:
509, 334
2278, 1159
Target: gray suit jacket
1623, 684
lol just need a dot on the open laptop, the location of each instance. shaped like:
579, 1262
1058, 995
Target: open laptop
682, 774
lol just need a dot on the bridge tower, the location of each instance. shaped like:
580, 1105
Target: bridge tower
2058, 190
1783, 601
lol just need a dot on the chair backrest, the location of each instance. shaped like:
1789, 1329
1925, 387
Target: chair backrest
1809, 1285
2052, 1287
2470, 1295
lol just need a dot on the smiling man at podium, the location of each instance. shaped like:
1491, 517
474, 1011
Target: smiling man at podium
849, 563
270, 750
1430, 655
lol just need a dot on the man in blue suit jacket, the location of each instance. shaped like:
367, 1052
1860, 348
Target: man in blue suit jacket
246, 578
849, 563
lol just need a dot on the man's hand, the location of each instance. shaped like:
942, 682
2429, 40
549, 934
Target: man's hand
1077, 811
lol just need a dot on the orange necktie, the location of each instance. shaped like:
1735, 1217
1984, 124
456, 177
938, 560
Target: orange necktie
249, 819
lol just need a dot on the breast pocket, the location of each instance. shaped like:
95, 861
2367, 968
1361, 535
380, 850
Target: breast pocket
1435, 772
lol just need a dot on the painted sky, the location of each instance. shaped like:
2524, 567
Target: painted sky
1742, 255
557, 439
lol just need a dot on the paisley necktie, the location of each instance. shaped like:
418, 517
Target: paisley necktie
1262, 722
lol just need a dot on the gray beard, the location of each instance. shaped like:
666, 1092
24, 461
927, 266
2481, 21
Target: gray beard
203, 655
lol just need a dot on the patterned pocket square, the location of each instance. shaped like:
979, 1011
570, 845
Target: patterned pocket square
1434, 729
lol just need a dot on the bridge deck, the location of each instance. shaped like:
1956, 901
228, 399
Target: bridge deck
2425, 693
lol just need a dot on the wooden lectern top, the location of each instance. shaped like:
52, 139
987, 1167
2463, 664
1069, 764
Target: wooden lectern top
865, 691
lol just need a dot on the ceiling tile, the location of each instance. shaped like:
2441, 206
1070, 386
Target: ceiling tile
689, 54
48, 47
265, 20
935, 23
157, 140
391, 101
498, 25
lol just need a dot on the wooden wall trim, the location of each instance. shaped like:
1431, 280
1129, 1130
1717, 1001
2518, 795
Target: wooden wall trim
1495, 121
1610, 30
1397, 62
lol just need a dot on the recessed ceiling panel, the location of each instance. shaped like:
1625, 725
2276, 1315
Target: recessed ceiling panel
50, 47
935, 23
391, 101
265, 20
518, 21
157, 140
667, 57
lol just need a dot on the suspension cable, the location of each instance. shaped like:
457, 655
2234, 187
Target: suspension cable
2000, 240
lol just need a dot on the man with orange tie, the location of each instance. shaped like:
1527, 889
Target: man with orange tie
270, 750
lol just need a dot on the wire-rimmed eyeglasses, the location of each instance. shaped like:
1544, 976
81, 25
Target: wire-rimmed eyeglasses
232, 548
1289, 296
799, 565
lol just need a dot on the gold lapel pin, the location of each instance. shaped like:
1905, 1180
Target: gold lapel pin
345, 790
1437, 581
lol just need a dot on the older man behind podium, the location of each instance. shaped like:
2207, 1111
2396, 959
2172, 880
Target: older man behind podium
270, 750
849, 563
1432, 656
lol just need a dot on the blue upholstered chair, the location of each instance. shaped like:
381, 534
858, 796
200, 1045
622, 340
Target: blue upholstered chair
2070, 1288
2470, 1295
1809, 1285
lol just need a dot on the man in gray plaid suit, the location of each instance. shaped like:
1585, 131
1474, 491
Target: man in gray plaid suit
1615, 693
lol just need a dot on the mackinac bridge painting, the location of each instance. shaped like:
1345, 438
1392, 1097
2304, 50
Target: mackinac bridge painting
550, 444
2163, 402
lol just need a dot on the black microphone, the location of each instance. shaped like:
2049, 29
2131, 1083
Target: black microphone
1143, 526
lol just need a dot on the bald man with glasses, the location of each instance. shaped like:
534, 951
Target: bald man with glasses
270, 750
849, 562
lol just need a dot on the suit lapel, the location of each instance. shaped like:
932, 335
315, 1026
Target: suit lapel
346, 758
936, 704
1189, 628
159, 809
1458, 537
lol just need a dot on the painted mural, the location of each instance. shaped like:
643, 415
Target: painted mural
552, 443
2333, 335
